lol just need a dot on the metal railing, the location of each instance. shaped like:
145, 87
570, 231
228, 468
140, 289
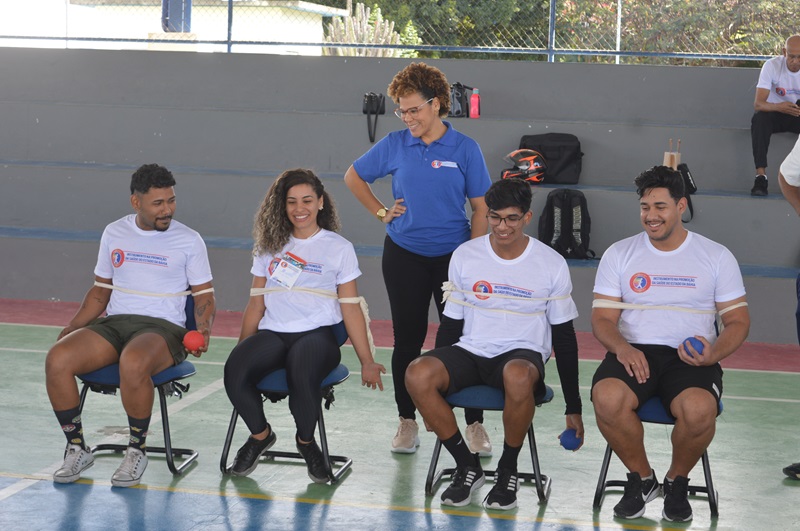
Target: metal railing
683, 32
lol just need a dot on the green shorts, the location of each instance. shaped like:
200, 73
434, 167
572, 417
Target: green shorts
120, 329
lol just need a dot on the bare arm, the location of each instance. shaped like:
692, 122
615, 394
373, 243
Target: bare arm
362, 191
735, 328
791, 193
761, 104
94, 304
254, 310
356, 327
478, 222
205, 308
605, 326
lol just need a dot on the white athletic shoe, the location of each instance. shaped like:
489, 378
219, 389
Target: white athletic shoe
478, 440
76, 460
130, 471
406, 439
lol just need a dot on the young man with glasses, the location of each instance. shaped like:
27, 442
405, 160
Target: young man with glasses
508, 304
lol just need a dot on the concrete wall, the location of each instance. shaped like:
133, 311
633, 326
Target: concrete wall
75, 123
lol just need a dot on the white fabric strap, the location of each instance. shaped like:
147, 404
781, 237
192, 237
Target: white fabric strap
150, 293
619, 305
449, 287
361, 301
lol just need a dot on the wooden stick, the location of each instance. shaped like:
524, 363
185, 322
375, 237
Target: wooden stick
670, 145
679, 145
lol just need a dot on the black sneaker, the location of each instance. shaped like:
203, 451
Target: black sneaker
676, 500
466, 480
503, 495
759, 186
637, 494
247, 457
793, 471
315, 461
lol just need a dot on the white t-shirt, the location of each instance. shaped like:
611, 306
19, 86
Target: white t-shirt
155, 261
538, 273
782, 84
790, 168
331, 261
698, 274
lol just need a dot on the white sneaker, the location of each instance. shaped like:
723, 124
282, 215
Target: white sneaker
478, 440
76, 460
130, 471
406, 439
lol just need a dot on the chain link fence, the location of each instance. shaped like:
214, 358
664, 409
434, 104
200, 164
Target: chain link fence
687, 32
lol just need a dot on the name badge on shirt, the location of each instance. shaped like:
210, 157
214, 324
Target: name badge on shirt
288, 270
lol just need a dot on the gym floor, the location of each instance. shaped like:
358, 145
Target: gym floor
756, 437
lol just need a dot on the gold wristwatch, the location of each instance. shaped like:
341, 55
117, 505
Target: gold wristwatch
381, 213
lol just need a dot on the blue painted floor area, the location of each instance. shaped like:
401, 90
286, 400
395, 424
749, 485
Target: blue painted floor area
85, 506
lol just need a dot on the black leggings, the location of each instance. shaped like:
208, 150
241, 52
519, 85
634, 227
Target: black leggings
411, 280
308, 357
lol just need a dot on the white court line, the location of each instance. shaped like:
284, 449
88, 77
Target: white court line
47, 472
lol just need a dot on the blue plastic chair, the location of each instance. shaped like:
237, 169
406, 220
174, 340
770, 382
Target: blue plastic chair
489, 399
653, 411
167, 382
274, 387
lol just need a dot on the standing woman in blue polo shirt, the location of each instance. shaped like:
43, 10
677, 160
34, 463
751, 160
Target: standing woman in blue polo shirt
435, 171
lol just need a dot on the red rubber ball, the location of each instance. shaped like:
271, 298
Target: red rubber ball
194, 340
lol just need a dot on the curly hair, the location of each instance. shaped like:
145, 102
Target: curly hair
429, 81
272, 227
151, 176
661, 177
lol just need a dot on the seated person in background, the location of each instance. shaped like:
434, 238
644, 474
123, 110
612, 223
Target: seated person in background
510, 294
789, 178
151, 257
652, 291
288, 325
777, 93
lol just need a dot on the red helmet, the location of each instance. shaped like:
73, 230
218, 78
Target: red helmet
528, 165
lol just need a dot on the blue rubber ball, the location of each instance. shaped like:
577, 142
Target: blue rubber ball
696, 344
569, 441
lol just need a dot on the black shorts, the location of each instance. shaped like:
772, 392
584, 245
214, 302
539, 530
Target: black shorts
467, 369
120, 329
669, 375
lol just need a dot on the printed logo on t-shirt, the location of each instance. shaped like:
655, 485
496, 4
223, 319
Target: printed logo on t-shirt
273, 265
641, 282
313, 268
482, 286
444, 164
117, 257
780, 91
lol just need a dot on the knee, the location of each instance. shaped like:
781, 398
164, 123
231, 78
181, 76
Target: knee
519, 378
134, 369
422, 376
697, 415
611, 397
58, 362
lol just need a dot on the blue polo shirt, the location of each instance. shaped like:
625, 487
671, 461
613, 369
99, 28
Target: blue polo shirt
435, 182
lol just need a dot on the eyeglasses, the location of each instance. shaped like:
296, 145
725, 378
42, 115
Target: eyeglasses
511, 221
412, 112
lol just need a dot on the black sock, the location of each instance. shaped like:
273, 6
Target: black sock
460, 451
70, 420
509, 458
138, 429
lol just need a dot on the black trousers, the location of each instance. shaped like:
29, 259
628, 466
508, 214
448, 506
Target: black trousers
763, 125
308, 358
411, 281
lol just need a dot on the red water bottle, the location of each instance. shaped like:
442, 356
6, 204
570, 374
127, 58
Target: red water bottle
475, 104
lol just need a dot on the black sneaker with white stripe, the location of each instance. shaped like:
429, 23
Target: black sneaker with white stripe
503, 495
466, 480
676, 500
638, 493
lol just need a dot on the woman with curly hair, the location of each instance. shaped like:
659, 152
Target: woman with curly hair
286, 325
435, 170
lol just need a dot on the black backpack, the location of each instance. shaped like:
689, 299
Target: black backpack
565, 224
689, 187
459, 100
